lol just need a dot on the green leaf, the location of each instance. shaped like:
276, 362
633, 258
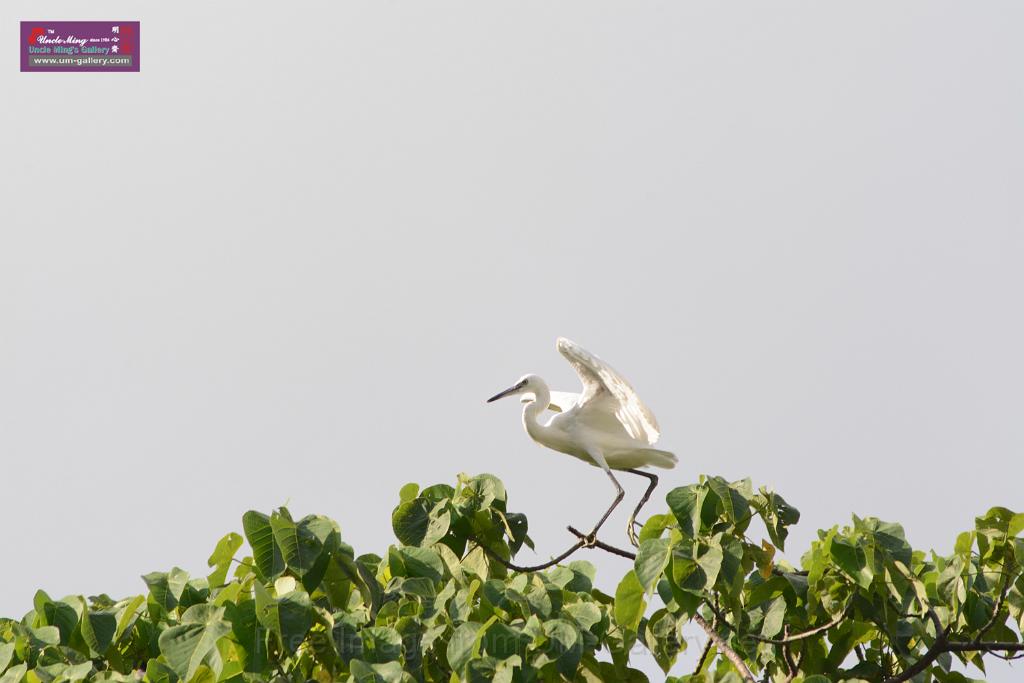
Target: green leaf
77, 672
266, 554
408, 492
583, 575
166, 588
362, 578
158, 672
651, 560
629, 601
586, 614
773, 618
661, 639
768, 590
711, 563
851, 560
734, 505
300, 547
6, 655
410, 521
686, 503
221, 558
461, 645
57, 613
98, 630
423, 562
14, 674
1015, 525
364, 672
777, 514
381, 644
565, 645
128, 614
249, 634
290, 616
502, 641
189, 644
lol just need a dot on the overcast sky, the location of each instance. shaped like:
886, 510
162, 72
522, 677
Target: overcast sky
287, 261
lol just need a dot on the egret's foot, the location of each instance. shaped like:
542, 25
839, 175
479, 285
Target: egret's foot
587, 540
631, 532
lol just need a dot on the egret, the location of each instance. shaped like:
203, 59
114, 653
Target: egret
606, 425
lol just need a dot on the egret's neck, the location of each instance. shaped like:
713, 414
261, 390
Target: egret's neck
533, 409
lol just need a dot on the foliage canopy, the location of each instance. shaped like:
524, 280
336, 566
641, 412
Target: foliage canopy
441, 604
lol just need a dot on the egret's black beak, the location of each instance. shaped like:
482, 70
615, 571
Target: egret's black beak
510, 390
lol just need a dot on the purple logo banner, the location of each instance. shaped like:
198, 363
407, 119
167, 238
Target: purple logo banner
79, 46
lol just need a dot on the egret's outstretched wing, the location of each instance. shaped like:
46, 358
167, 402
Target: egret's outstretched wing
605, 390
561, 401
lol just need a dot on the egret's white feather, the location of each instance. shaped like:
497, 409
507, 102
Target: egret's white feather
608, 401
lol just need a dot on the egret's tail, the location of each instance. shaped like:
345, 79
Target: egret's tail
663, 459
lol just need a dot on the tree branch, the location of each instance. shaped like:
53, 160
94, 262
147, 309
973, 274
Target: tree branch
937, 648
585, 541
799, 636
601, 544
535, 568
723, 646
792, 666
942, 645
990, 646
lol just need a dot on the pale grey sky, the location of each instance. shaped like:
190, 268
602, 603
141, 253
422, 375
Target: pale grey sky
289, 259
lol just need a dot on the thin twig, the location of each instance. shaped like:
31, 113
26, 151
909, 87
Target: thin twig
990, 646
780, 641
707, 646
703, 656
731, 654
787, 656
999, 607
799, 636
794, 667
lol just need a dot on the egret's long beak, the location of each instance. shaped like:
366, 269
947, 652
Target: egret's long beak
510, 390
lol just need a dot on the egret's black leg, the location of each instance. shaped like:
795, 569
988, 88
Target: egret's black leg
619, 495
630, 531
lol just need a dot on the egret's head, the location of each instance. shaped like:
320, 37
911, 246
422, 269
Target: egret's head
526, 384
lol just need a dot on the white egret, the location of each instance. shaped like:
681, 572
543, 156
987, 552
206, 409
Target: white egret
607, 425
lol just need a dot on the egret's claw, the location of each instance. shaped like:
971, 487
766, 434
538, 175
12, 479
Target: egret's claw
631, 533
588, 540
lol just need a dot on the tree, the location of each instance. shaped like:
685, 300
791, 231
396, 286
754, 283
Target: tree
443, 604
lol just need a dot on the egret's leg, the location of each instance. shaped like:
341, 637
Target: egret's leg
630, 531
619, 495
